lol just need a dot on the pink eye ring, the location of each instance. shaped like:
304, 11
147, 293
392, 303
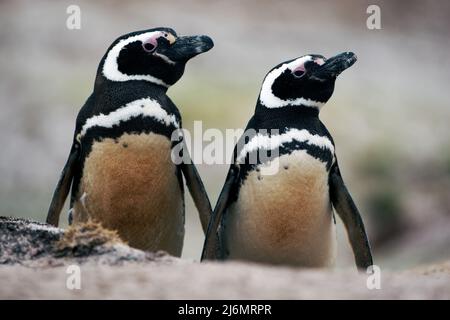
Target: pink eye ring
150, 45
299, 71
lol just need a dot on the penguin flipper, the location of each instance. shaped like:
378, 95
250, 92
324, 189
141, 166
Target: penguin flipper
347, 210
63, 187
198, 193
211, 245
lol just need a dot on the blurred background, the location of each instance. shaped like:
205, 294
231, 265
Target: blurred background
389, 114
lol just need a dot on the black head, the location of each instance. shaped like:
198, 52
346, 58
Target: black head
308, 80
155, 55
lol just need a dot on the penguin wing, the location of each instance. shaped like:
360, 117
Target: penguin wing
347, 210
63, 186
198, 192
211, 245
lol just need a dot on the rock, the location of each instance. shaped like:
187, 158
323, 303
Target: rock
35, 244
24, 240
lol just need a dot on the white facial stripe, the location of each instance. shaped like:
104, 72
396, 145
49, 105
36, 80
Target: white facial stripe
111, 69
269, 100
261, 141
166, 59
143, 107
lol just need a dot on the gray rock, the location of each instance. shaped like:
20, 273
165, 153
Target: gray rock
36, 244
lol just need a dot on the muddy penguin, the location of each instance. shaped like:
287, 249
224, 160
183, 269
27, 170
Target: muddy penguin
120, 169
276, 203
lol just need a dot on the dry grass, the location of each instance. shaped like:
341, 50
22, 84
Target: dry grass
86, 234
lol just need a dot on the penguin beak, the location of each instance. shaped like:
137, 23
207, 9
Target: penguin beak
186, 47
335, 65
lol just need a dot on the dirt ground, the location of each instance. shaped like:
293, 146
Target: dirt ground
34, 260
184, 280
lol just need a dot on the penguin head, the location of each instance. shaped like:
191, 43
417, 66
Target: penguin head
304, 81
155, 55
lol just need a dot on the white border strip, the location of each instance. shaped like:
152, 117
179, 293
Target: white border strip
145, 107
261, 141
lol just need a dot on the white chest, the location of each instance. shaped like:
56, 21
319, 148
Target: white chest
284, 218
130, 185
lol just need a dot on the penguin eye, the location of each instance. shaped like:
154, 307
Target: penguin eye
298, 73
150, 45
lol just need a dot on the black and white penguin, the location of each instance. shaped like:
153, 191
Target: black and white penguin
120, 167
276, 203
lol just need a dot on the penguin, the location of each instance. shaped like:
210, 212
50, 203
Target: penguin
120, 170
276, 205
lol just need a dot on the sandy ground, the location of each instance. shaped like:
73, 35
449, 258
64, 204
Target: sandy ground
34, 261
184, 280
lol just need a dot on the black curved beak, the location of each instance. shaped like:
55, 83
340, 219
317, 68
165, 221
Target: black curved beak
187, 47
335, 65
